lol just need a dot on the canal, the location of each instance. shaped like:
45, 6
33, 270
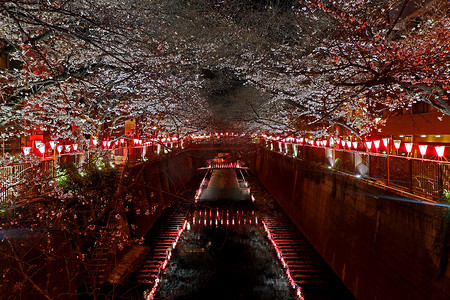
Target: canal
238, 246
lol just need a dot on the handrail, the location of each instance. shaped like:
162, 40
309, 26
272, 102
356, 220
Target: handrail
424, 177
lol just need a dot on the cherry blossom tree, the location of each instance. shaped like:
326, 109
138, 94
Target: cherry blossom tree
360, 63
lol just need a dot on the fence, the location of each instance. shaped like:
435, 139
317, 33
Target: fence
423, 177
12, 176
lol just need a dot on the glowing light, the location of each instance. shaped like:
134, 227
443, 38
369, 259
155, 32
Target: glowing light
324, 143
75, 147
283, 262
59, 149
439, 150
40, 146
397, 144
68, 147
53, 144
423, 149
26, 151
408, 147
343, 143
151, 294
349, 144
355, 145
94, 141
376, 143
385, 142
369, 145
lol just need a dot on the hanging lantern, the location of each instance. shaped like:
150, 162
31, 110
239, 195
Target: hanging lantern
324, 143
369, 145
385, 142
439, 150
376, 143
75, 147
53, 144
423, 150
60, 149
355, 145
26, 151
40, 146
397, 144
349, 144
68, 147
408, 147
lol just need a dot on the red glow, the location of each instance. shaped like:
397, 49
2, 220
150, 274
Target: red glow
376, 143
423, 149
440, 150
408, 147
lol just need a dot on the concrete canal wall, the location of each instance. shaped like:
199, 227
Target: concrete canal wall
380, 244
157, 183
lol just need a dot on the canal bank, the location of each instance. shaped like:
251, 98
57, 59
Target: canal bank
380, 243
246, 251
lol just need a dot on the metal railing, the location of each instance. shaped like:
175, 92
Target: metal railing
12, 176
424, 177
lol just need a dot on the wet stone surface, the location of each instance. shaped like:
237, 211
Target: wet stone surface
216, 260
